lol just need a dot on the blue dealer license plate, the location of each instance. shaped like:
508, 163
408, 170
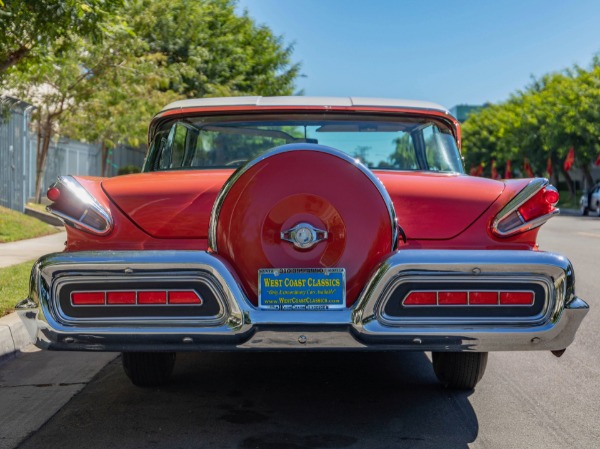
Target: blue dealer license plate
302, 288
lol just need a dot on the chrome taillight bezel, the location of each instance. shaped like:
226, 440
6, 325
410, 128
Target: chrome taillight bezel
89, 206
509, 221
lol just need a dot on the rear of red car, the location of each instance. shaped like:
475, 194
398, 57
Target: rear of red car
303, 224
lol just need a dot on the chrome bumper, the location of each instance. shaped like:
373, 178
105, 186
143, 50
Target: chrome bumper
242, 326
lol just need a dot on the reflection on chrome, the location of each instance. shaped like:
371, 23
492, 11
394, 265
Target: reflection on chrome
240, 325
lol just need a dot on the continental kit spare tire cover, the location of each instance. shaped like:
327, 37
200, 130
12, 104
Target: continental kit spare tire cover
346, 217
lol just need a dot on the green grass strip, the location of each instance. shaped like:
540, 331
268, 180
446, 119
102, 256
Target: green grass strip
17, 226
14, 285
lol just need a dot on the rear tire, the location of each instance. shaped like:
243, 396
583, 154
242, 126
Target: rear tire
583, 210
459, 370
148, 369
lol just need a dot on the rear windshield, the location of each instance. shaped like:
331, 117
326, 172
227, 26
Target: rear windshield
229, 142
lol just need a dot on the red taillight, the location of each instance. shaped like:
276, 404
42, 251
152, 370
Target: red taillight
53, 194
120, 297
77, 207
421, 299
539, 204
530, 208
483, 298
184, 297
87, 298
144, 297
469, 298
551, 196
452, 298
516, 298
152, 297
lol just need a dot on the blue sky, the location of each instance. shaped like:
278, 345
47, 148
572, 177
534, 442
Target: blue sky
448, 52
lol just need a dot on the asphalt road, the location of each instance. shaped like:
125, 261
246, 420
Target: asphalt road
355, 400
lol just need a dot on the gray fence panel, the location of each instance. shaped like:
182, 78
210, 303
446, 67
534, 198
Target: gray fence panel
18, 155
71, 157
15, 141
122, 156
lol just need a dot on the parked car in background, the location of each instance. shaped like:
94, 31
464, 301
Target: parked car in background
302, 224
590, 201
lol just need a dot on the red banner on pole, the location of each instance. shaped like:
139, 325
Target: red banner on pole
570, 159
527, 168
494, 170
507, 173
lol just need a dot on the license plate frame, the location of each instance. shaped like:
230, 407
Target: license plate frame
302, 289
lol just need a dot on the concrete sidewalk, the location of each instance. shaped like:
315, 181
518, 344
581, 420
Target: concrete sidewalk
13, 336
17, 252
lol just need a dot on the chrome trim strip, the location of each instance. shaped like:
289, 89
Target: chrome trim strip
216, 210
70, 183
534, 186
244, 326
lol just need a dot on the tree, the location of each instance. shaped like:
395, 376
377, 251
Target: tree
555, 113
29, 27
182, 49
69, 77
150, 53
212, 51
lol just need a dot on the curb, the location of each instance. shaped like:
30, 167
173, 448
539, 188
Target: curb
43, 216
13, 335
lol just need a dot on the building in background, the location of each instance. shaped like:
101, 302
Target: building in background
462, 111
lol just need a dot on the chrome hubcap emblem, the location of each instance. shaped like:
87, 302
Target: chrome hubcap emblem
304, 235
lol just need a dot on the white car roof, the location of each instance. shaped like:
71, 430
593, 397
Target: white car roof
305, 101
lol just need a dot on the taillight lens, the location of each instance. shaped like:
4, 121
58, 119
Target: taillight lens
452, 298
468, 298
541, 203
530, 208
141, 297
421, 299
75, 205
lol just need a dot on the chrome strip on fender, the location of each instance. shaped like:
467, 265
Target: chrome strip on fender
70, 183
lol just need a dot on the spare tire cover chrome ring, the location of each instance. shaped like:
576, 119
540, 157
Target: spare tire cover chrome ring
214, 216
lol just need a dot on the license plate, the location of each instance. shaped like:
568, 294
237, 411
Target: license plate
302, 288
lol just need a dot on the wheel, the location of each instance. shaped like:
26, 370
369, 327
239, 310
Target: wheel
583, 210
148, 369
459, 370
597, 211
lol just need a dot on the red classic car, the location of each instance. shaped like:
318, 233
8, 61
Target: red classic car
299, 223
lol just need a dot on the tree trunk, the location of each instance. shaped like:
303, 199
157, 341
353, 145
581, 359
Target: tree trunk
589, 181
44, 137
570, 185
14, 58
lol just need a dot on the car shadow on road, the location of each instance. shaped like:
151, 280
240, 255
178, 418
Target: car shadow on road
271, 401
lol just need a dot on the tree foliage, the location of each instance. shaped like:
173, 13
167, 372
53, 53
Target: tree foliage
106, 71
30, 27
212, 51
555, 113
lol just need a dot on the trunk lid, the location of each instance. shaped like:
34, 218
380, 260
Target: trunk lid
178, 204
